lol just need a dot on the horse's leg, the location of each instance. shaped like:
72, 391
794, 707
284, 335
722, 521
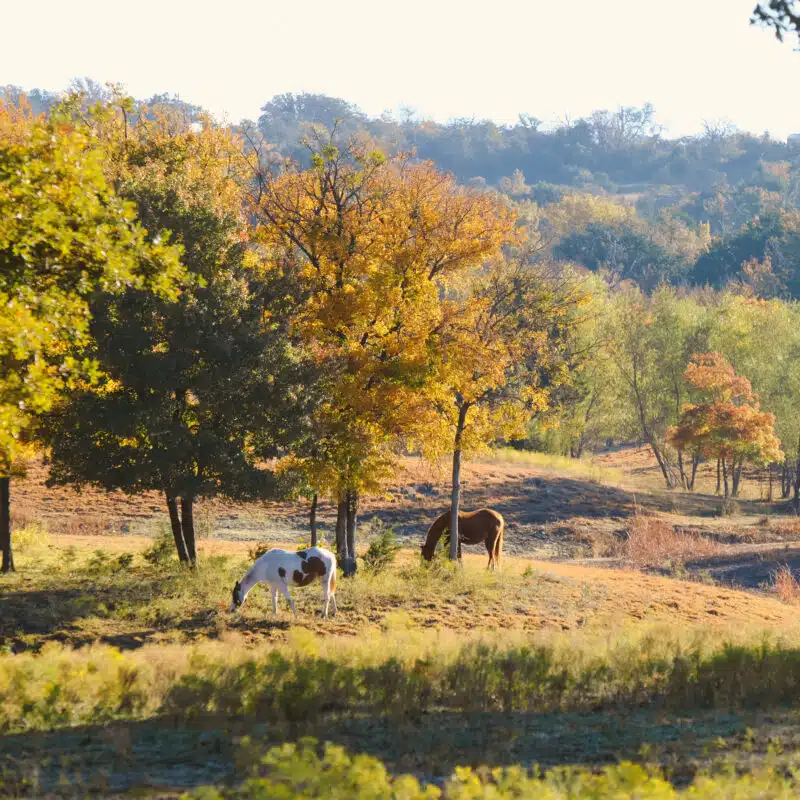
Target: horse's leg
326, 595
275, 600
286, 594
489, 542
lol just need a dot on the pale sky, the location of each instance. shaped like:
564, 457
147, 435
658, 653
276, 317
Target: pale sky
695, 60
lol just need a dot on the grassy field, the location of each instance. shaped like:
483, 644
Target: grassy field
122, 672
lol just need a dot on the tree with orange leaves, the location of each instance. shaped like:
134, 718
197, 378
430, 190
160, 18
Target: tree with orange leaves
729, 425
377, 243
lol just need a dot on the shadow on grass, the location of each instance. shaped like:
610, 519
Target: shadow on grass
125, 757
752, 570
552, 499
56, 614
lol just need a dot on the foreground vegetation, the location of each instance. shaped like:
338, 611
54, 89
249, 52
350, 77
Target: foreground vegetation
122, 669
300, 771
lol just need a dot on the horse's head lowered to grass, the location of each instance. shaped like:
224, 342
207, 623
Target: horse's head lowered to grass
474, 527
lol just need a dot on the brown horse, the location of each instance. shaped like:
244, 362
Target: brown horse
474, 527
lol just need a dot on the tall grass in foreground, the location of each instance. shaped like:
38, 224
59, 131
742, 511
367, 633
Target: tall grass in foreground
306, 770
583, 467
389, 676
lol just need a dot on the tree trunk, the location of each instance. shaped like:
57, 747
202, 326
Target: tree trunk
681, 471
5, 525
662, 463
786, 481
737, 475
725, 476
177, 529
349, 564
341, 530
647, 435
455, 497
695, 465
769, 489
797, 481
719, 477
313, 520
187, 524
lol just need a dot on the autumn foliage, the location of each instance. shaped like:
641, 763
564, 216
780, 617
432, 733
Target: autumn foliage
728, 424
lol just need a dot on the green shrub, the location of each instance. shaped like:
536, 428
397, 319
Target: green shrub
382, 550
162, 549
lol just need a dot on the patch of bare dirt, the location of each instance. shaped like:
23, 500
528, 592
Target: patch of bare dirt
548, 514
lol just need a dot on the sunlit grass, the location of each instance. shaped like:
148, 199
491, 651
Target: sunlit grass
547, 462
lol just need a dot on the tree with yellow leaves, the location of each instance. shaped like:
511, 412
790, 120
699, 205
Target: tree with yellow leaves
499, 351
64, 234
376, 242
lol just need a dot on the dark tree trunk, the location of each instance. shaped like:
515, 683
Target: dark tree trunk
5, 525
797, 481
769, 487
695, 465
725, 476
786, 481
177, 529
455, 496
719, 476
187, 524
665, 471
737, 476
349, 565
681, 471
313, 520
341, 530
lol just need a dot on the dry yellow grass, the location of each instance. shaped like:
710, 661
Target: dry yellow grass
651, 541
785, 585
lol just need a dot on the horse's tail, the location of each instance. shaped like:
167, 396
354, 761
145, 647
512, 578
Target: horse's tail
498, 544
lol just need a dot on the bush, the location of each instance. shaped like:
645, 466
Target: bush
258, 550
728, 508
652, 542
162, 549
30, 538
382, 550
785, 585
392, 677
306, 770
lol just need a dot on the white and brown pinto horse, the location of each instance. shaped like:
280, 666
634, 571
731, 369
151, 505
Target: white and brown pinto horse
484, 526
282, 568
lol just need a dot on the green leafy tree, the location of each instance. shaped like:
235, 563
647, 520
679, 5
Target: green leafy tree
195, 393
627, 254
650, 340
